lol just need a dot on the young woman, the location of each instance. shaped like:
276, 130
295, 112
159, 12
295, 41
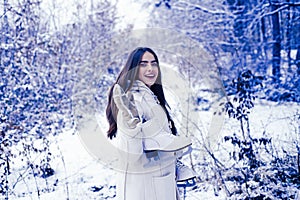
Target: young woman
145, 133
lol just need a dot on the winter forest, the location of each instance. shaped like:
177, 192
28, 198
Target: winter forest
231, 70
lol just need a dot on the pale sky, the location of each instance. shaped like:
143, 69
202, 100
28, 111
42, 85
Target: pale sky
128, 10
133, 13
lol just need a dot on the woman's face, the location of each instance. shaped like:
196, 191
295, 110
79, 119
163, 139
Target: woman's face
148, 69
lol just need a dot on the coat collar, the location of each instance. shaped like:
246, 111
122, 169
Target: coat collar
140, 86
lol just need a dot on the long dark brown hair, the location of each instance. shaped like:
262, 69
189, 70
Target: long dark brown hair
126, 79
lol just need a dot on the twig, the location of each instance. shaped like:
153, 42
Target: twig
6, 177
65, 169
298, 159
36, 184
217, 163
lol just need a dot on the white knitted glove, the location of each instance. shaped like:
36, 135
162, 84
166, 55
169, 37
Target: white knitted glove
125, 104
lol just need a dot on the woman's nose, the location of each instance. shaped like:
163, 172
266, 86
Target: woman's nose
149, 67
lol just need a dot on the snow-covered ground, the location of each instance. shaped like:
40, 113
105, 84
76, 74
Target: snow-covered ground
79, 176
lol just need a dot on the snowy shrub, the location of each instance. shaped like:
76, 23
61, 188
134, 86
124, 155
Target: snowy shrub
257, 171
244, 89
34, 95
288, 91
46, 72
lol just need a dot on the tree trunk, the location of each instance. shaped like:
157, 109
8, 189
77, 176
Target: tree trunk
298, 60
276, 41
288, 36
263, 39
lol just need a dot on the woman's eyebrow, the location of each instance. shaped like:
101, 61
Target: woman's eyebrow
146, 61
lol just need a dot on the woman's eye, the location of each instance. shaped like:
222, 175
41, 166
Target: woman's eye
154, 64
143, 64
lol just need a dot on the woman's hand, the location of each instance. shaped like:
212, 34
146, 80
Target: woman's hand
125, 104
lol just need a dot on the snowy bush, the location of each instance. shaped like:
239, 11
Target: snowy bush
257, 171
34, 94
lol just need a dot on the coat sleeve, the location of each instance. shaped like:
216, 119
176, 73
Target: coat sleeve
129, 142
131, 139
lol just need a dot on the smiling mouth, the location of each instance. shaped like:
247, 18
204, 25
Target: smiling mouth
150, 76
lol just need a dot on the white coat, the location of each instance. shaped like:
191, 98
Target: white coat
136, 179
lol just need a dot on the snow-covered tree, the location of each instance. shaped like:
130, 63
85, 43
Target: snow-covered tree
252, 43
34, 96
92, 43
42, 68
240, 35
